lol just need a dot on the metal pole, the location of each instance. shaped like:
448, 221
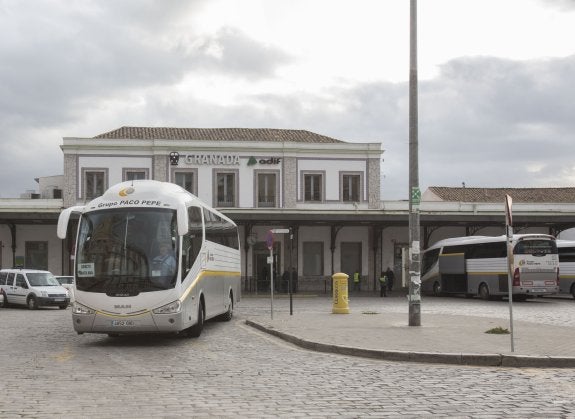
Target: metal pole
510, 281
272, 282
414, 192
290, 271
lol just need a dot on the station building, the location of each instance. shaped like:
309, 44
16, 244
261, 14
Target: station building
323, 191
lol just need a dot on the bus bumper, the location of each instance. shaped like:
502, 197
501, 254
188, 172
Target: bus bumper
142, 323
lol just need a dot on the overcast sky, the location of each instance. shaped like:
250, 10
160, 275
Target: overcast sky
496, 80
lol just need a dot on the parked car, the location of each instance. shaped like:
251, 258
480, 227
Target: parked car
69, 283
32, 288
1, 299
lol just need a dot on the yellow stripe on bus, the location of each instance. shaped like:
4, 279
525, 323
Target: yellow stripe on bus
452, 254
206, 273
486, 273
140, 313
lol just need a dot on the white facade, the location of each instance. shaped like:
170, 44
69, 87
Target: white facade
270, 177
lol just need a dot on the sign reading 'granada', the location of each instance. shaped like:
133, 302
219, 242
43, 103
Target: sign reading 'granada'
213, 159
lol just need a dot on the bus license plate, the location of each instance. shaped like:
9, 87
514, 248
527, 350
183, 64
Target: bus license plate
123, 323
539, 290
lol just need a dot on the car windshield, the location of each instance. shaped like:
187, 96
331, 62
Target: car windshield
126, 251
42, 279
65, 279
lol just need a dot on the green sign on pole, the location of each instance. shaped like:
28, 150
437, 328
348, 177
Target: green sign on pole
415, 196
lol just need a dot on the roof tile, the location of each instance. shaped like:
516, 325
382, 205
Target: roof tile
217, 134
525, 195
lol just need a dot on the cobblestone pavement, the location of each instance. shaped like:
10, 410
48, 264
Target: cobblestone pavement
551, 311
232, 370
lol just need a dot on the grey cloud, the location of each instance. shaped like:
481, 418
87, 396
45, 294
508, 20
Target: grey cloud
566, 5
54, 73
491, 122
240, 55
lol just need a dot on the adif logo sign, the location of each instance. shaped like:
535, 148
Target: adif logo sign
272, 160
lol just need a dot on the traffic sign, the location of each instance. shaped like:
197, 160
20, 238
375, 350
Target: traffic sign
280, 230
270, 240
415, 195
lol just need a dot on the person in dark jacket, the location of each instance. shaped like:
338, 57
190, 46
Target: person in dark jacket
390, 277
383, 284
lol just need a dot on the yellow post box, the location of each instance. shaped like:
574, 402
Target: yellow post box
340, 293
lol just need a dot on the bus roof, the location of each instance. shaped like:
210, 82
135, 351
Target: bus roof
565, 243
454, 241
141, 194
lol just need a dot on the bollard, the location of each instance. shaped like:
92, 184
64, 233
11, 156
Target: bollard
340, 301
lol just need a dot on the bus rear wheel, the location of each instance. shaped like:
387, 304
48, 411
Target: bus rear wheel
572, 292
484, 292
229, 314
437, 289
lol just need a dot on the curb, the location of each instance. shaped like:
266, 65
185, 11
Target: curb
484, 360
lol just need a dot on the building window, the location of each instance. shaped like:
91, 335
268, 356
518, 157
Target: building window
226, 189
36, 255
350, 187
94, 183
313, 258
186, 179
135, 174
313, 187
267, 190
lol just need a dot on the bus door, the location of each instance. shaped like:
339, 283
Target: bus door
452, 273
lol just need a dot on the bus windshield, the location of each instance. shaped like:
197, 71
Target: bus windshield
535, 247
127, 251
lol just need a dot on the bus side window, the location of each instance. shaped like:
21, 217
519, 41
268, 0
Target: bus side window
429, 259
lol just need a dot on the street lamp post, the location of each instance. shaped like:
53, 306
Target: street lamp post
414, 191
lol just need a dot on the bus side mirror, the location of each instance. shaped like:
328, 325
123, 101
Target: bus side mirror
64, 218
182, 216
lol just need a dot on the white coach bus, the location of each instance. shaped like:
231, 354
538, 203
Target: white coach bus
477, 265
151, 257
566, 249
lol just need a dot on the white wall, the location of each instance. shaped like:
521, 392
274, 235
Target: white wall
26, 233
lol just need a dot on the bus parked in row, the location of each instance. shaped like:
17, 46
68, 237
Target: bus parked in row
477, 266
151, 257
566, 249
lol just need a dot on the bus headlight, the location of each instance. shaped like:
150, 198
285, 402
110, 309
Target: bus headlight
80, 309
173, 307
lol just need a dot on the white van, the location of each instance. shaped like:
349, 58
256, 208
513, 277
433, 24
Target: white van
32, 288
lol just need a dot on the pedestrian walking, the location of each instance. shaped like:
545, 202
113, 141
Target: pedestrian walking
383, 285
390, 277
294, 280
285, 281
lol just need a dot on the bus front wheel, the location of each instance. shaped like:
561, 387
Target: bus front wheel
484, 292
196, 330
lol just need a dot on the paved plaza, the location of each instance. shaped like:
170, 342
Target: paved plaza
234, 370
